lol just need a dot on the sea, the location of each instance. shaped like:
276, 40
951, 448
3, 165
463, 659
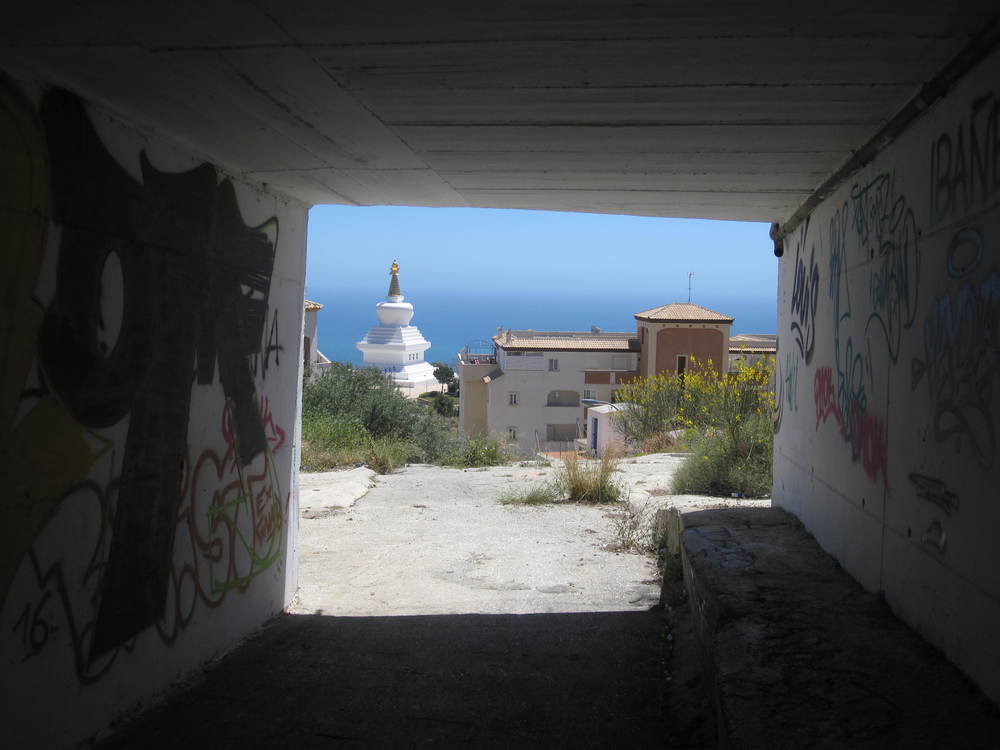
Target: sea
453, 320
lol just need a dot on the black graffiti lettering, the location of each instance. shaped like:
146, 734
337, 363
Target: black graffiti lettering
965, 173
269, 346
187, 261
805, 298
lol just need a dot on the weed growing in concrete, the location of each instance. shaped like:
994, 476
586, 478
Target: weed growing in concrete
633, 527
590, 481
543, 494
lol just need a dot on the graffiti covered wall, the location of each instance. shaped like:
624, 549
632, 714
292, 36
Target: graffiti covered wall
889, 316
151, 324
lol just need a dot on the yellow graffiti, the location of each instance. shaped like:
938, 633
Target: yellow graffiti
45, 455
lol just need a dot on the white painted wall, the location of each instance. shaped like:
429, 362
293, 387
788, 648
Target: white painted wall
65, 451
608, 435
889, 375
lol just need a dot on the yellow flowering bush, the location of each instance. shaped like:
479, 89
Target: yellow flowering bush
726, 416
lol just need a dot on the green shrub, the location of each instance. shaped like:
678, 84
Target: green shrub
354, 415
435, 438
590, 481
362, 395
716, 468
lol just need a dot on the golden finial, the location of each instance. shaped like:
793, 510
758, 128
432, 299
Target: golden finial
394, 269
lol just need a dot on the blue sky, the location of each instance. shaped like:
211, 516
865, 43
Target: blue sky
441, 249
469, 270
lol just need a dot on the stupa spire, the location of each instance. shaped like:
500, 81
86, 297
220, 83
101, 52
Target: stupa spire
394, 290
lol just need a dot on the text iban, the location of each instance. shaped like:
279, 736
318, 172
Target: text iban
965, 163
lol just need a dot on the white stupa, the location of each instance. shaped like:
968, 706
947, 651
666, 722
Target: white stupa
396, 347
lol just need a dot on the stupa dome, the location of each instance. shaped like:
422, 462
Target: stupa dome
393, 313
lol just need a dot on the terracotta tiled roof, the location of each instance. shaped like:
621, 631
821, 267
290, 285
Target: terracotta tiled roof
578, 341
682, 312
310, 305
753, 343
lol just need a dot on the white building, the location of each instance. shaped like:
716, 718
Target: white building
531, 391
396, 347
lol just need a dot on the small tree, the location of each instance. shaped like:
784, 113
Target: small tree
444, 374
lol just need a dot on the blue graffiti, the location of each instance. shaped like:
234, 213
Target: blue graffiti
962, 350
886, 227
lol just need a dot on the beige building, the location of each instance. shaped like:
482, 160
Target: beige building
313, 360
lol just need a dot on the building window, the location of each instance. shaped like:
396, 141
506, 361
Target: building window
553, 365
682, 361
512, 433
512, 398
592, 395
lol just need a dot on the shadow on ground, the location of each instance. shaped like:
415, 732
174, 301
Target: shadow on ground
314, 681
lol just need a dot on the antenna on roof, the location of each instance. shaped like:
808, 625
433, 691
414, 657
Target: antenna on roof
690, 274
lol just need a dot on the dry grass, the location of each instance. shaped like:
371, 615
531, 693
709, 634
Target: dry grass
591, 482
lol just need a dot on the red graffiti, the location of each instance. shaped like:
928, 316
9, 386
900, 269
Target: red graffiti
863, 430
869, 442
275, 435
826, 402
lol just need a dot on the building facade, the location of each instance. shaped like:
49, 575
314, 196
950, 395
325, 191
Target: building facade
538, 387
533, 392
314, 362
671, 336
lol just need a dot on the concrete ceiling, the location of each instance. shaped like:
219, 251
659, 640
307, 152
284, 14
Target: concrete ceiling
717, 109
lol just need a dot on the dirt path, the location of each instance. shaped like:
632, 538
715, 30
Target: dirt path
430, 615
